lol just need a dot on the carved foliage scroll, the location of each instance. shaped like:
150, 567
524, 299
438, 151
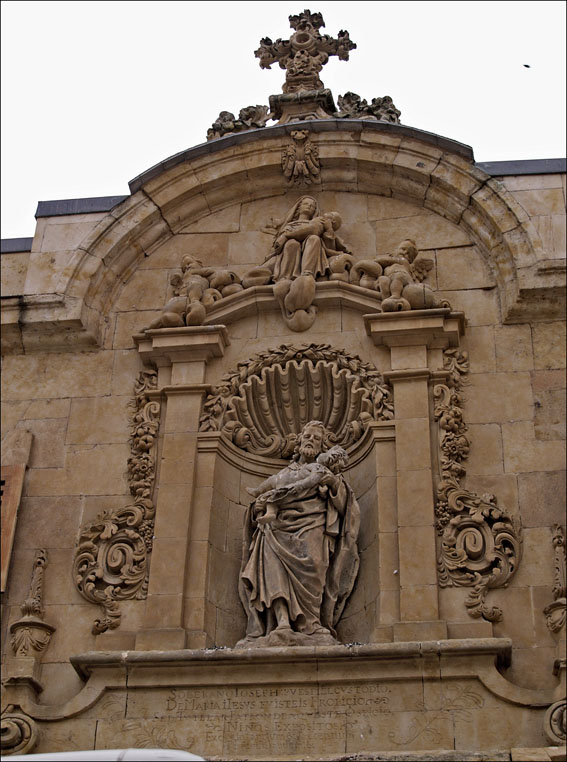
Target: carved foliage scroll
480, 544
264, 404
556, 611
111, 562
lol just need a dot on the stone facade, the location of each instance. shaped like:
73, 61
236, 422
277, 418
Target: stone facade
148, 352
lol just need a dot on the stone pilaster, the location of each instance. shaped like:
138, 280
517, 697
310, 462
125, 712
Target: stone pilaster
410, 336
181, 356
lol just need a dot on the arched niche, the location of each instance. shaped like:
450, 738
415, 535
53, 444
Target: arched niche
212, 577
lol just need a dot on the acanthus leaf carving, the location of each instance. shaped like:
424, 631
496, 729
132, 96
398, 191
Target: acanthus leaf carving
480, 543
258, 405
30, 633
556, 612
111, 560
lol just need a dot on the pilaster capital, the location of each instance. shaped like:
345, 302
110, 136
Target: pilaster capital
435, 329
163, 347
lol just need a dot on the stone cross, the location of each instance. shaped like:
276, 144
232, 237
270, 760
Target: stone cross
305, 53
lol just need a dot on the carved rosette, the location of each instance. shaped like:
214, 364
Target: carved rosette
19, 733
480, 544
111, 562
555, 723
556, 611
264, 404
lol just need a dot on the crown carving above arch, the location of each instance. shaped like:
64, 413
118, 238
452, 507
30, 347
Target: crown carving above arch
264, 403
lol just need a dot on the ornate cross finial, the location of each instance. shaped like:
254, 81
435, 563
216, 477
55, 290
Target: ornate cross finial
305, 53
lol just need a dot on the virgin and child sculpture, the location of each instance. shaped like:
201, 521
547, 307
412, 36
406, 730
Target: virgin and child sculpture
305, 249
300, 553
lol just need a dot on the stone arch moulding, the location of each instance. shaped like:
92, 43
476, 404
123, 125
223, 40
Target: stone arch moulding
356, 156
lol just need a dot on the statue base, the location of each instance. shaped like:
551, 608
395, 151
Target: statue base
300, 702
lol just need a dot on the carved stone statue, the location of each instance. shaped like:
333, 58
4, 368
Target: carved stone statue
305, 249
352, 106
194, 291
300, 553
398, 277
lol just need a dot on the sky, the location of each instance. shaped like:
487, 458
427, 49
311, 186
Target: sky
95, 93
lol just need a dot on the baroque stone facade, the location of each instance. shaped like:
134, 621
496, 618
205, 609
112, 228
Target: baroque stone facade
282, 473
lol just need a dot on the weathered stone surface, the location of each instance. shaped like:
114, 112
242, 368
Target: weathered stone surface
459, 485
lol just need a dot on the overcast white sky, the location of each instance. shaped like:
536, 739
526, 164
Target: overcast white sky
94, 93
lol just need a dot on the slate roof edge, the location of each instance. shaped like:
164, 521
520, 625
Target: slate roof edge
77, 206
12, 245
523, 167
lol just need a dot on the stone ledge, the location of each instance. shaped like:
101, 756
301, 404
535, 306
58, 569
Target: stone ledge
499, 648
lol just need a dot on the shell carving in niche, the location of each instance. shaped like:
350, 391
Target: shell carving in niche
263, 407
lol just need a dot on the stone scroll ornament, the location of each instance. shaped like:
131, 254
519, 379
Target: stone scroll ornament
480, 544
556, 612
263, 405
300, 547
19, 734
112, 557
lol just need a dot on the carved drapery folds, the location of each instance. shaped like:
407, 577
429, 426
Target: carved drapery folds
264, 404
480, 544
555, 613
111, 562
30, 635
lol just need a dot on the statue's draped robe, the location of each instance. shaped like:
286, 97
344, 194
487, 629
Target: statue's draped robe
307, 555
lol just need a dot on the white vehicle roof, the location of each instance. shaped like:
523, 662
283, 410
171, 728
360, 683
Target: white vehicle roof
132, 755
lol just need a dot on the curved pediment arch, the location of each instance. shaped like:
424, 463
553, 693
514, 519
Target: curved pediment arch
356, 156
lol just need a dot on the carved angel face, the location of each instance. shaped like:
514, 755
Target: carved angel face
407, 249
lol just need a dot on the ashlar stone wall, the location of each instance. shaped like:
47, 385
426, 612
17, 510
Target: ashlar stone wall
70, 385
